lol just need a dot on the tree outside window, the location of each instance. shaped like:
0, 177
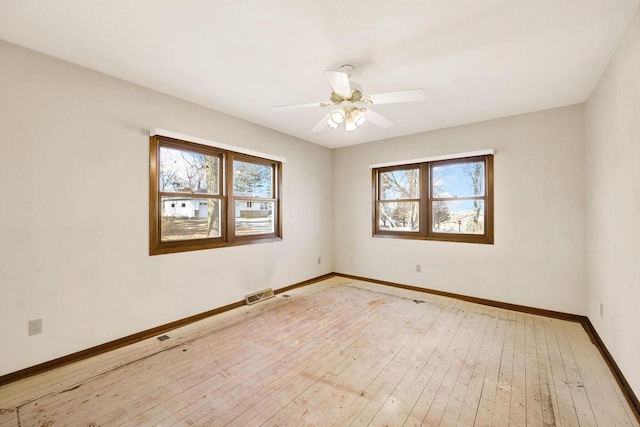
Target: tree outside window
192, 207
448, 200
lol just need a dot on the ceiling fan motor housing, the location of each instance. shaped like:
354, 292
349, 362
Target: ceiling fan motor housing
347, 69
348, 97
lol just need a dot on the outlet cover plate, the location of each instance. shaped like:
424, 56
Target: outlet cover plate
35, 327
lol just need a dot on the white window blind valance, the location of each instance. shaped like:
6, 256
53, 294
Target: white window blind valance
434, 158
197, 140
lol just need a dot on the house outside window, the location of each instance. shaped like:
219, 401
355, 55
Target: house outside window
199, 197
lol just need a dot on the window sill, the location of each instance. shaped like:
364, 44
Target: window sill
187, 246
486, 240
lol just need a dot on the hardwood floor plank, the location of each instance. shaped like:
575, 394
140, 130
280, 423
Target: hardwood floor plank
458, 353
338, 353
315, 378
486, 407
517, 409
380, 390
547, 386
504, 387
258, 376
566, 409
584, 411
471, 400
465, 365
607, 402
532, 375
401, 400
382, 342
266, 385
440, 360
9, 418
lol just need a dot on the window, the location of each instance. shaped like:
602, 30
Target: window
449, 200
253, 180
202, 197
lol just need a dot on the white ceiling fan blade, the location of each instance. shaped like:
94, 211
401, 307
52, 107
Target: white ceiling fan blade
322, 124
292, 106
339, 82
399, 96
377, 119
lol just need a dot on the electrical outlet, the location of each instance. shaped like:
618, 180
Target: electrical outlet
35, 327
601, 310
319, 260
418, 268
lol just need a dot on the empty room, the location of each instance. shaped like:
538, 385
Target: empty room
327, 213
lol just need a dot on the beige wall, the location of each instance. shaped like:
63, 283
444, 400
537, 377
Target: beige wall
613, 212
538, 256
74, 216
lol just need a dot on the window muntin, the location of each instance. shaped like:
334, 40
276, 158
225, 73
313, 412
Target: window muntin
190, 187
439, 200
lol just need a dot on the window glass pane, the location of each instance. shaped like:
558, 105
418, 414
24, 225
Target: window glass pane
458, 216
188, 172
400, 184
189, 218
252, 180
458, 180
254, 218
399, 216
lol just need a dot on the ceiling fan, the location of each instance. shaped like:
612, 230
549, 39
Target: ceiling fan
351, 106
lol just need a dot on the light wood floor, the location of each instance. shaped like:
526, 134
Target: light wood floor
339, 352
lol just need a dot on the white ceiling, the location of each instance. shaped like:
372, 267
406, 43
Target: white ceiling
475, 59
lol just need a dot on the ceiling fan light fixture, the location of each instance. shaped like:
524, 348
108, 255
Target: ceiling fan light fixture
332, 124
337, 116
354, 119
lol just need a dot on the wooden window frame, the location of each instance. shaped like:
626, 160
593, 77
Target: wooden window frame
226, 197
275, 185
426, 199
